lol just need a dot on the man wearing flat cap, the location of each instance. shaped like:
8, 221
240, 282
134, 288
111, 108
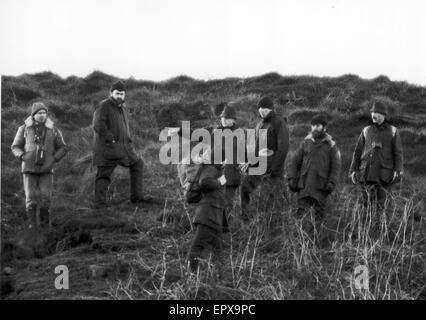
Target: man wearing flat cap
113, 146
377, 160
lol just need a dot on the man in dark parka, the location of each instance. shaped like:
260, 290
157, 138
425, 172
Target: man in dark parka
314, 170
113, 146
277, 146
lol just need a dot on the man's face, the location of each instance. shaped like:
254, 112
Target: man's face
317, 130
118, 96
40, 116
377, 117
264, 112
227, 122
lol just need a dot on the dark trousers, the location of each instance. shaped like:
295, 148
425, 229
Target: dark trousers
273, 192
310, 213
206, 238
103, 180
306, 203
230, 192
374, 195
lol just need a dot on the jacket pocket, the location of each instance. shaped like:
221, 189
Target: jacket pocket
386, 175
29, 157
114, 151
321, 182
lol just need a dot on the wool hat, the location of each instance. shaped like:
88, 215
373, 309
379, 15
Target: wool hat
379, 107
319, 119
119, 85
228, 113
265, 102
37, 106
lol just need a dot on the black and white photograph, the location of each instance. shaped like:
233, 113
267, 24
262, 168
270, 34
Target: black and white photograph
234, 151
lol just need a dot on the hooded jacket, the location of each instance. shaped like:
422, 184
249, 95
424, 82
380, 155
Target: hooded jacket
25, 145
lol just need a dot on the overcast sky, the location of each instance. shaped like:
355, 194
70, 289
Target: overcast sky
206, 39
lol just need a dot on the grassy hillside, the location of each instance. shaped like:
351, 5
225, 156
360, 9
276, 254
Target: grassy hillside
139, 252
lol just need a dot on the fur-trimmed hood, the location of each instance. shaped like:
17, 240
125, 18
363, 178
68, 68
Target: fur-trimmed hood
30, 121
327, 139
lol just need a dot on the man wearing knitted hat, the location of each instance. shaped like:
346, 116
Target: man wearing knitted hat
277, 142
113, 146
314, 173
377, 160
39, 145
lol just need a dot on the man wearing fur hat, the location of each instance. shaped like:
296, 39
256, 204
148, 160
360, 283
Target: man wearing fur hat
277, 142
377, 160
39, 145
113, 146
314, 170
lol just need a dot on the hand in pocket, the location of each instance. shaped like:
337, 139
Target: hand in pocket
113, 151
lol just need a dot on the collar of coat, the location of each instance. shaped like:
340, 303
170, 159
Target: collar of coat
30, 121
327, 139
269, 116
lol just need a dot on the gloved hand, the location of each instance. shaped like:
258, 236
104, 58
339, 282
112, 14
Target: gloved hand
292, 184
222, 180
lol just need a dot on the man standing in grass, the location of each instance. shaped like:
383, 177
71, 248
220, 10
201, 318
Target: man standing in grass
377, 160
113, 146
314, 172
209, 212
277, 142
228, 126
39, 145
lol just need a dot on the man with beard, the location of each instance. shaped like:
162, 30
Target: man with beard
314, 170
277, 144
377, 161
113, 146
